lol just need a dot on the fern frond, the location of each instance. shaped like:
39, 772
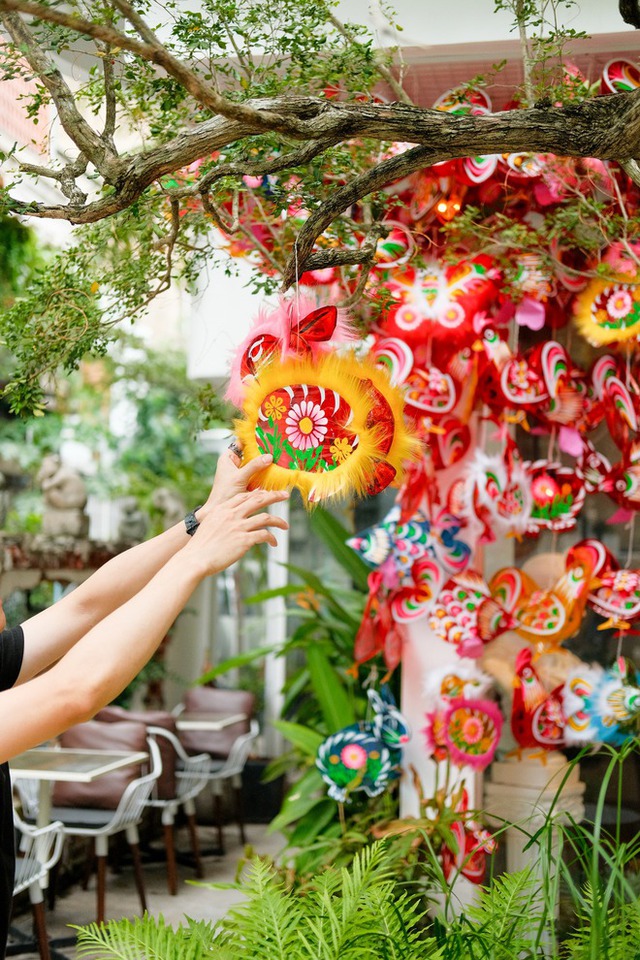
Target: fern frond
267, 923
145, 938
505, 919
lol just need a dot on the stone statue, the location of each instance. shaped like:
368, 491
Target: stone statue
134, 524
170, 504
65, 497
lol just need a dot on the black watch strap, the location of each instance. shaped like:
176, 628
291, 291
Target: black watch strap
191, 522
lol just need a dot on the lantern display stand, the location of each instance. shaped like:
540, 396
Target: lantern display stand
521, 794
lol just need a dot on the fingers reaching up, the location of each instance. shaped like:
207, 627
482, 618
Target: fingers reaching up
235, 525
233, 476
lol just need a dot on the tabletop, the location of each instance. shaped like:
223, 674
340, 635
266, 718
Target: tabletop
206, 720
69, 763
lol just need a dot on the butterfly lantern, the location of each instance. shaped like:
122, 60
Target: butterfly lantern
332, 421
439, 300
365, 756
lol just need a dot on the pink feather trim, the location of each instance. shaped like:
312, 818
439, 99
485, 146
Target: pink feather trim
273, 336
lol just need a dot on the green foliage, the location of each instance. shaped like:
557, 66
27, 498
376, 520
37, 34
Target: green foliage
247, 50
19, 255
344, 914
322, 694
367, 909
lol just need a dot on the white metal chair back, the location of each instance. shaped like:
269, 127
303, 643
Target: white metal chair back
191, 772
28, 792
132, 803
234, 764
39, 848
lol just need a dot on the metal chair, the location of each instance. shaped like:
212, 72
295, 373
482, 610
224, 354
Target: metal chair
182, 779
99, 823
192, 776
39, 848
228, 748
231, 770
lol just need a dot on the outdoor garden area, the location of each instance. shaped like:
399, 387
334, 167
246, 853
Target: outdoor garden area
395, 252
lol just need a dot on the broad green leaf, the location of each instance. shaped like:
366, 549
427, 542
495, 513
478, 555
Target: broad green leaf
308, 740
288, 590
302, 797
329, 690
311, 825
334, 535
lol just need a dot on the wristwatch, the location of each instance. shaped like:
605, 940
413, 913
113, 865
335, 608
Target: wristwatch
191, 522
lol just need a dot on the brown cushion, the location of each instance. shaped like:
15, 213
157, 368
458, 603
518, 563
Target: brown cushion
166, 787
217, 700
106, 791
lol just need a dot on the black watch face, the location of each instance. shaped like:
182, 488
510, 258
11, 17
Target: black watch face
191, 523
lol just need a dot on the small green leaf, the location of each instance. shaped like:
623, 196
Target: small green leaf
305, 738
233, 662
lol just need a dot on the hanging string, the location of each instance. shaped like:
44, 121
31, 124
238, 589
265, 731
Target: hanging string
630, 547
620, 638
297, 294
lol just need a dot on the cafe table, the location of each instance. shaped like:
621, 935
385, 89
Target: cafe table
47, 764
206, 720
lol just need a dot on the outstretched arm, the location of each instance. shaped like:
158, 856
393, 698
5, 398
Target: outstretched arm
103, 661
50, 634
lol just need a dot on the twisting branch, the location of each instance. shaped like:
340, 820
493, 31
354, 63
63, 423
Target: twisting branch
386, 172
110, 114
154, 52
74, 124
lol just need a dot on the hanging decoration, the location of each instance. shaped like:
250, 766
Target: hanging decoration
547, 617
468, 615
463, 349
365, 756
333, 422
602, 705
463, 726
537, 716
473, 844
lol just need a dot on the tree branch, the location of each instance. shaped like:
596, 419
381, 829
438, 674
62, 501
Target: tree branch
74, 124
630, 12
110, 115
154, 52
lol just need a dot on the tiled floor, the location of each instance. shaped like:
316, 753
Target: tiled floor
78, 907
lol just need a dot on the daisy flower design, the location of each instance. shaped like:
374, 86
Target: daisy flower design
620, 304
353, 756
306, 425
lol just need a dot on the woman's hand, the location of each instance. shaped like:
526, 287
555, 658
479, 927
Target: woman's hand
232, 477
233, 526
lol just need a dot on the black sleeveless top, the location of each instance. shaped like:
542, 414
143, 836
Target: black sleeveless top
11, 648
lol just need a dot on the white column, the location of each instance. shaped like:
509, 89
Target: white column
275, 614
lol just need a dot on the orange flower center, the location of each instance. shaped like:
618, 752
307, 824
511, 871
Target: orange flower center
305, 425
